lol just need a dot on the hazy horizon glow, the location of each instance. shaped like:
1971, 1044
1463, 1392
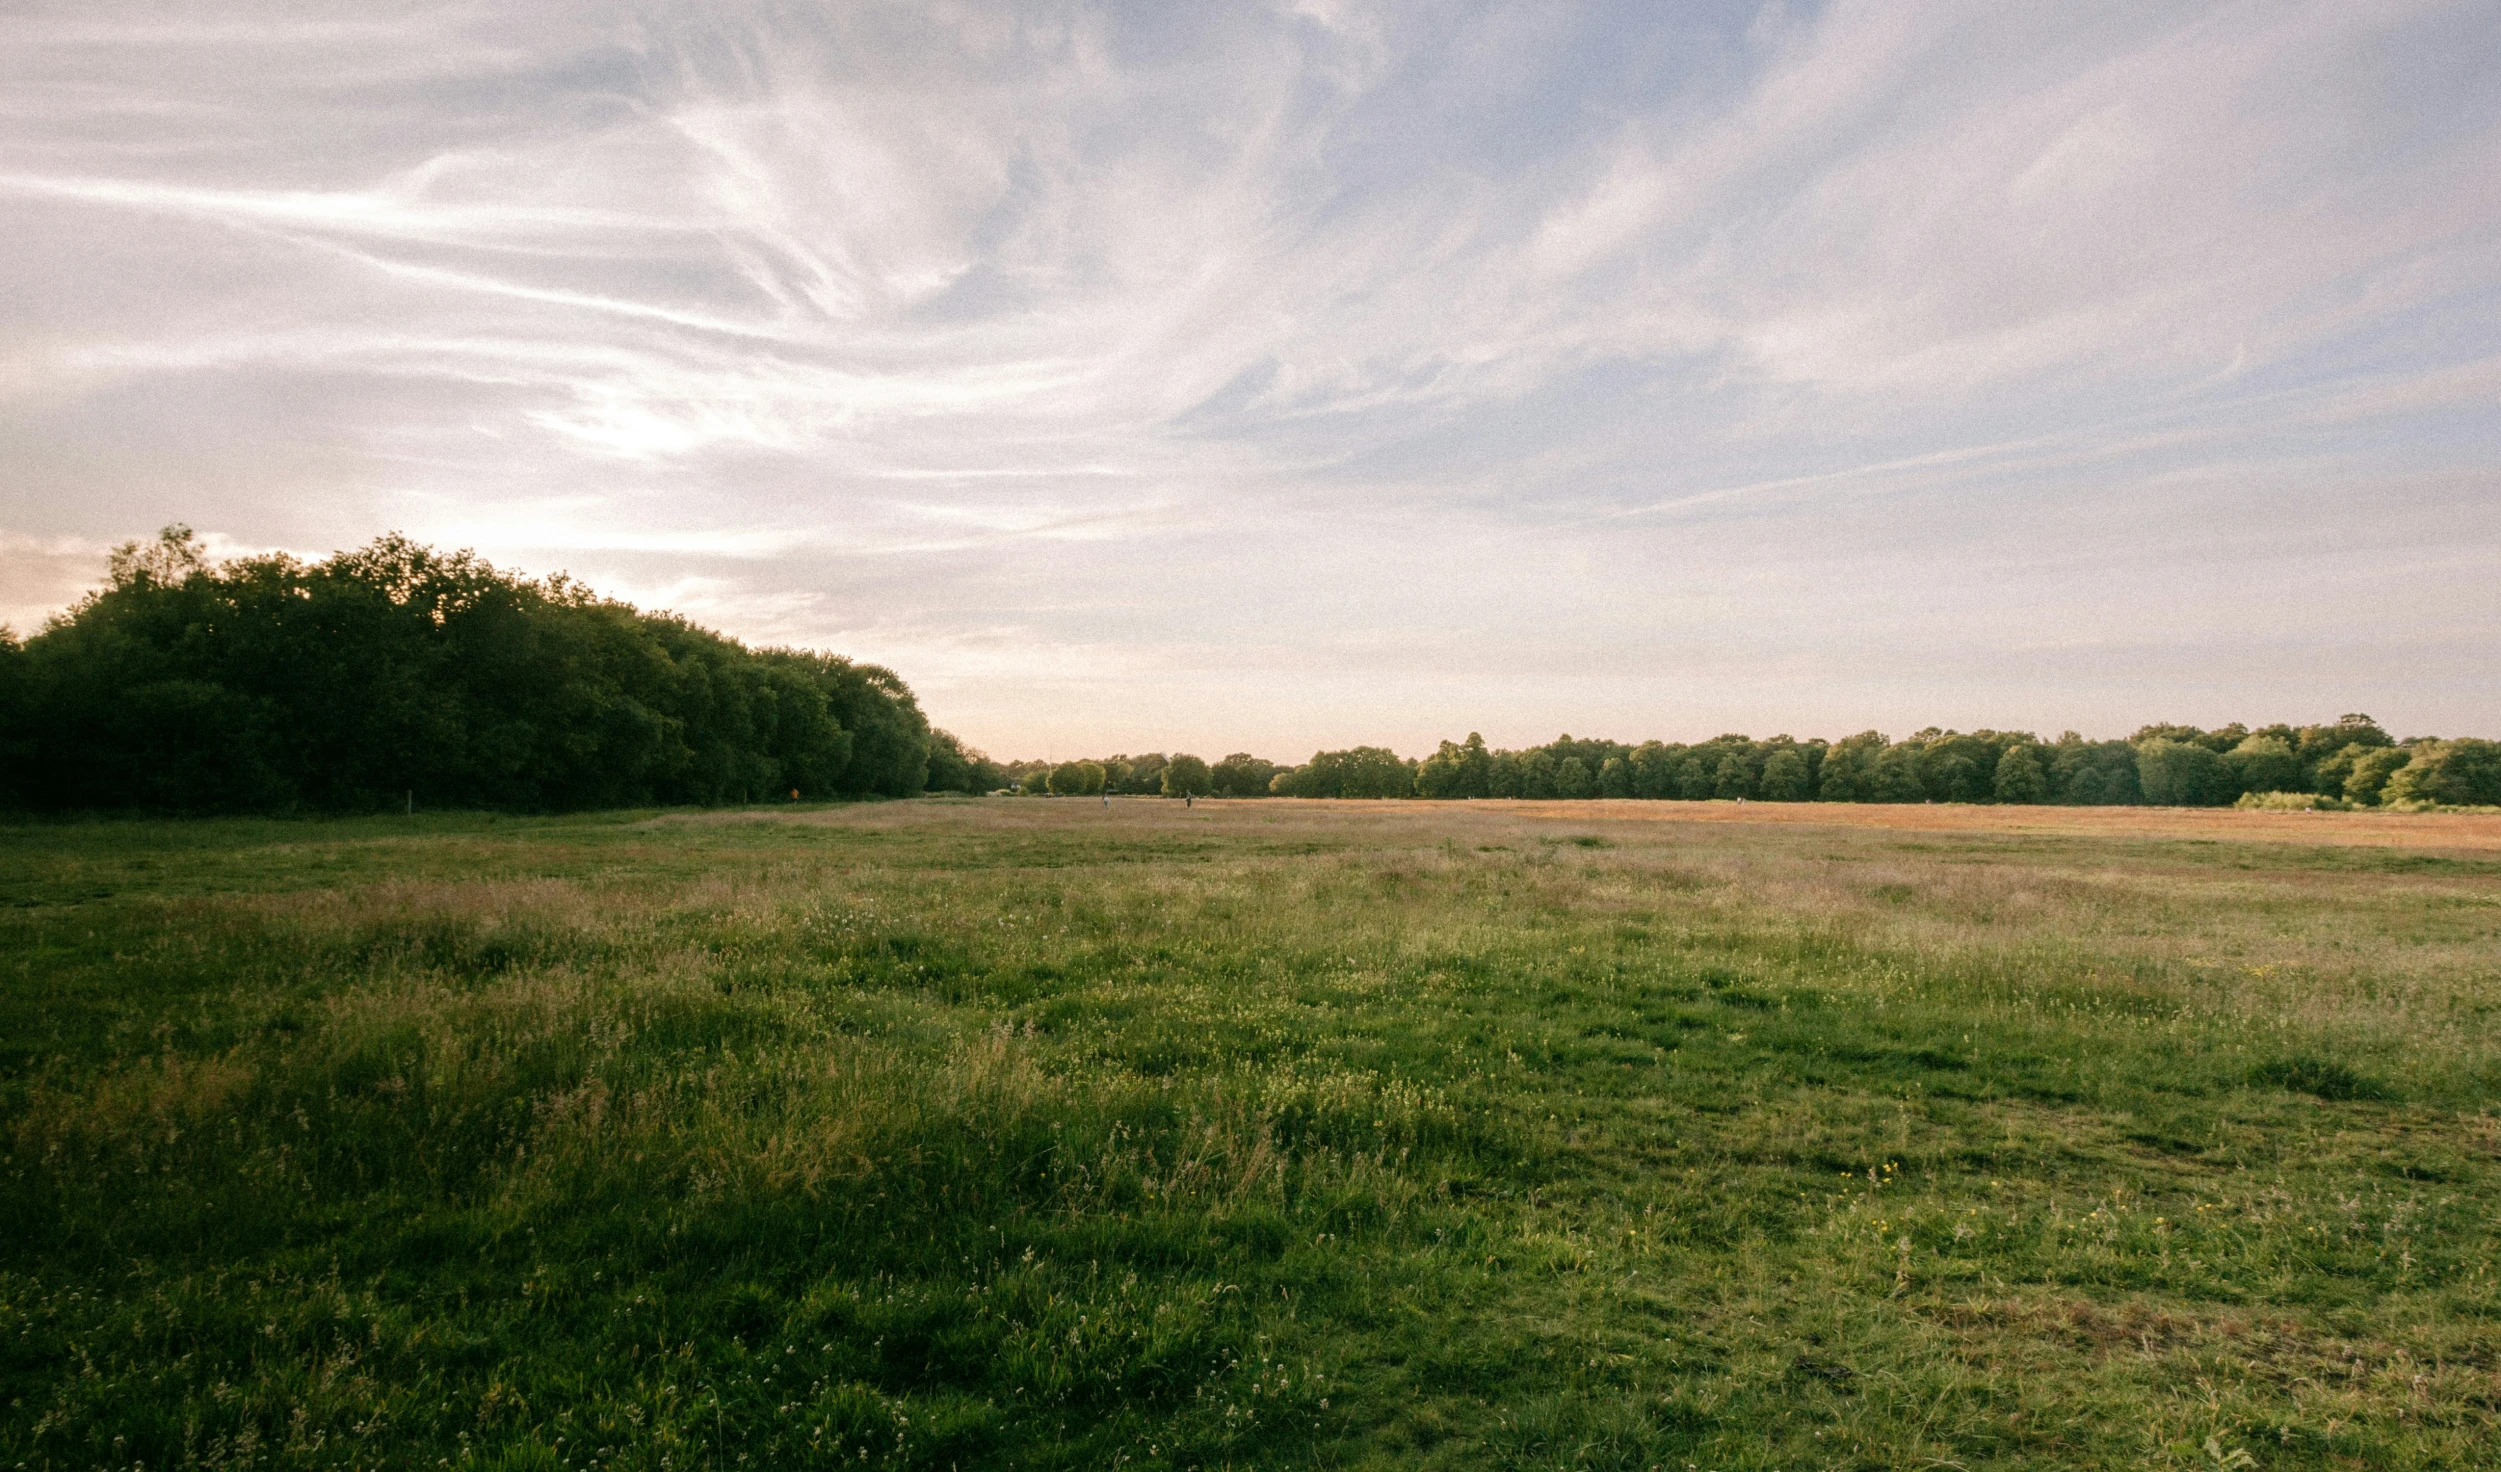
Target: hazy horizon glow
1134, 377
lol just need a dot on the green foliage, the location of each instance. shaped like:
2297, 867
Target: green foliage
2185, 766
954, 767
1850, 769
1363, 771
2319, 1078
2460, 773
2290, 802
1897, 775
1186, 776
1134, 776
2352, 732
1654, 765
1615, 778
2019, 777
2172, 765
2366, 776
2182, 773
1076, 779
1241, 775
1505, 774
1028, 1136
17, 744
2264, 764
1955, 767
2094, 773
2330, 773
2218, 741
1458, 769
396, 673
1785, 777
1540, 767
1573, 779
1150, 775
1733, 777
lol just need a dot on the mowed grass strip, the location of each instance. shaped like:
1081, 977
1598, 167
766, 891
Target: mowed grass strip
1040, 1134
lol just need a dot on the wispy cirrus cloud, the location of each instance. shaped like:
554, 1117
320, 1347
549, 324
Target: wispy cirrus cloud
1303, 372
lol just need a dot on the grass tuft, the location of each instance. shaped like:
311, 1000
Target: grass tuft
2320, 1078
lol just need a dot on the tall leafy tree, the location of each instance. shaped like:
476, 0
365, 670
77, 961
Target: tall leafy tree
2182, 773
1186, 776
2264, 763
1506, 775
1537, 774
2366, 777
1733, 778
955, 767
1362, 771
1242, 775
2316, 746
1376, 771
1615, 778
1457, 769
1784, 776
1573, 779
2093, 773
1895, 775
1076, 779
1956, 767
2460, 773
2020, 777
1849, 769
1654, 769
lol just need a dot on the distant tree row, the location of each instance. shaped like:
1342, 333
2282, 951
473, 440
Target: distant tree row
1151, 775
393, 671
2350, 761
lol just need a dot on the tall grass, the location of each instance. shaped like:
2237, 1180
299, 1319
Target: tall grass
1032, 1135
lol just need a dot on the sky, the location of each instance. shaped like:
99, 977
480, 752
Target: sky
1283, 375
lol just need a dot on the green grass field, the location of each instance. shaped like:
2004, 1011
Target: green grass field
959, 1134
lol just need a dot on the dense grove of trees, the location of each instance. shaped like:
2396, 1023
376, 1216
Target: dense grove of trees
270, 684
2349, 761
1151, 775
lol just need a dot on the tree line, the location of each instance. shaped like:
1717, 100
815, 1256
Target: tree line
2350, 762
398, 673
1151, 775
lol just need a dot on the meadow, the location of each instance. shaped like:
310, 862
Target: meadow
990, 1133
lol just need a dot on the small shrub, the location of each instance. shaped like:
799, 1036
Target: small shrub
2291, 802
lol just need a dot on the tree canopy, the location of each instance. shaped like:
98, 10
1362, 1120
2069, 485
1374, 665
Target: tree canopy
2348, 760
398, 672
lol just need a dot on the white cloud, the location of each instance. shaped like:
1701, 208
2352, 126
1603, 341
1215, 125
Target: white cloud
1198, 351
